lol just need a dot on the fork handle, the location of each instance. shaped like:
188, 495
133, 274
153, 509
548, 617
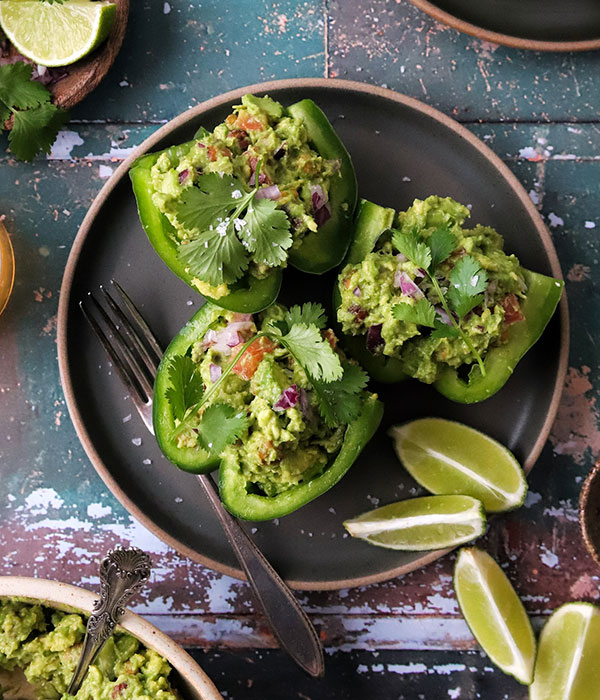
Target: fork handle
289, 623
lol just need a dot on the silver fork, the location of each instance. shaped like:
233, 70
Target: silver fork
135, 354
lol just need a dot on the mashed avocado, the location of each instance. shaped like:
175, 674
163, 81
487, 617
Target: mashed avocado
370, 289
258, 129
45, 644
287, 441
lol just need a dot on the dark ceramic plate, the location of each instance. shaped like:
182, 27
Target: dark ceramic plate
402, 149
541, 25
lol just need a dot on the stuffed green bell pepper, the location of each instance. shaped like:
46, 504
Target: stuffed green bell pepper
270, 399
422, 296
230, 209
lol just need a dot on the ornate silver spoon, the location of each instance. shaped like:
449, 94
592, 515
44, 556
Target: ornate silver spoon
123, 572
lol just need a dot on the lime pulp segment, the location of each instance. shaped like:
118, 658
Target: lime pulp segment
494, 613
421, 524
56, 34
447, 457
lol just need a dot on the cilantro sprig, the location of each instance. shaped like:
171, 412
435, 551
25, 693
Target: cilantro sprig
36, 121
468, 281
232, 225
337, 386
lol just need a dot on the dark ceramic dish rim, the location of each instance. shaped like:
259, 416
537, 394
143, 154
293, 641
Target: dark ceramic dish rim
147, 145
504, 39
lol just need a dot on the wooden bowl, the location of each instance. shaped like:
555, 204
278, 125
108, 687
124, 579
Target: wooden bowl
189, 677
589, 512
85, 75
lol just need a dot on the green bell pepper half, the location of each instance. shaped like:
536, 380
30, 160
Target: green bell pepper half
242, 503
248, 295
543, 295
318, 252
235, 497
190, 459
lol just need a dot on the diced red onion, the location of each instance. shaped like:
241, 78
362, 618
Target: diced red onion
318, 197
420, 272
215, 372
271, 192
407, 286
210, 338
262, 178
288, 399
443, 316
237, 317
374, 338
401, 257
321, 211
183, 176
200, 144
305, 406
280, 152
357, 292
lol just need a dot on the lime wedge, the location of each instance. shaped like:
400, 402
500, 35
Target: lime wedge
567, 664
419, 524
55, 34
447, 457
494, 613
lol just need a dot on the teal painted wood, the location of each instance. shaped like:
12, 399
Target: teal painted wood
56, 515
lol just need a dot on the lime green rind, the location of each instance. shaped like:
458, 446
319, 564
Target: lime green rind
496, 618
421, 524
566, 667
423, 447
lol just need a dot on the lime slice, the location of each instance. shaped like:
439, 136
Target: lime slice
419, 524
494, 613
567, 664
55, 34
447, 457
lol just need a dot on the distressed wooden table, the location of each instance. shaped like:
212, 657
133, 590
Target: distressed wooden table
404, 638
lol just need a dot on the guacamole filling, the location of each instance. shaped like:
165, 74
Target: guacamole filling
44, 644
286, 441
386, 278
258, 134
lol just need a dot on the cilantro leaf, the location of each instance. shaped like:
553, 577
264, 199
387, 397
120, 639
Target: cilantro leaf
186, 387
221, 425
441, 243
266, 232
340, 401
216, 257
310, 314
18, 90
441, 330
421, 313
311, 351
35, 130
209, 202
467, 282
410, 244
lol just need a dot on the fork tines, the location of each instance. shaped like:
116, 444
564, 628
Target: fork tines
126, 338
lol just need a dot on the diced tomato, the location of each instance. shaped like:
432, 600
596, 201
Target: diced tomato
330, 337
264, 451
248, 122
246, 366
118, 690
359, 313
512, 309
347, 282
212, 153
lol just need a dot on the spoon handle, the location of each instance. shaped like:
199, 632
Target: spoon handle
122, 573
289, 623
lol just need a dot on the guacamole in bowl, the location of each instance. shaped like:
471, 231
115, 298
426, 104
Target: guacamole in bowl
271, 400
230, 209
423, 296
42, 626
